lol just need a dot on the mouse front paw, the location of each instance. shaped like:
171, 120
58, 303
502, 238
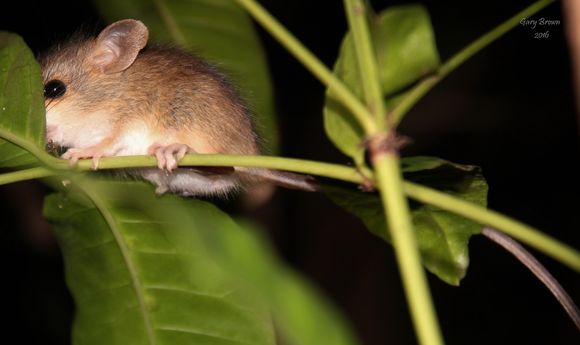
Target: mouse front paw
73, 155
169, 155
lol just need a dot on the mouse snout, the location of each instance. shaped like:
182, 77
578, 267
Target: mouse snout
52, 134
50, 131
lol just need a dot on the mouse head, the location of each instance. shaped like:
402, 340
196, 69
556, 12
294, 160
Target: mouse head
82, 75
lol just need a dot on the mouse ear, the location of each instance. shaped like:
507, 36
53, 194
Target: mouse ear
117, 46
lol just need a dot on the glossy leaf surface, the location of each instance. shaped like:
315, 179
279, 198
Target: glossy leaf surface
139, 272
150, 270
405, 52
442, 236
21, 102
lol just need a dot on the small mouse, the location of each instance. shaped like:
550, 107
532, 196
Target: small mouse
113, 96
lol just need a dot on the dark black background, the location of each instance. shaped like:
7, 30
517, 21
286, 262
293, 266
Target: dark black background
509, 109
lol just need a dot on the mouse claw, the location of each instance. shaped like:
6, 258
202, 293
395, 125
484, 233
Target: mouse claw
95, 162
73, 156
159, 152
72, 162
168, 156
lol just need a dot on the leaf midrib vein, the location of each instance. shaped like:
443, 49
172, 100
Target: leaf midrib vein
136, 282
170, 23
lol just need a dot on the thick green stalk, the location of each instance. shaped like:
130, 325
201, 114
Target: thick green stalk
311, 62
522, 232
336, 171
390, 181
463, 55
330, 170
406, 249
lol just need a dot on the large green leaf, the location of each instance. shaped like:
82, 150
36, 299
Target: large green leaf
218, 30
150, 270
405, 48
303, 315
442, 236
140, 275
21, 102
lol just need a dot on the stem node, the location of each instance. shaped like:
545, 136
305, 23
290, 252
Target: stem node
385, 143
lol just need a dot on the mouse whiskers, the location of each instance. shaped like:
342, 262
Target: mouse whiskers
51, 104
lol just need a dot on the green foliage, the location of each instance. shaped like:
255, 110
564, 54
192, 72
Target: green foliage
405, 44
442, 236
405, 52
149, 270
169, 270
138, 266
21, 103
221, 32
140, 274
301, 314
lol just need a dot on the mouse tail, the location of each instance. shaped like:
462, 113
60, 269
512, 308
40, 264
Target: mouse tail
284, 179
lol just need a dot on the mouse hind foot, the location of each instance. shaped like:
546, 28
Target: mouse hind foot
169, 155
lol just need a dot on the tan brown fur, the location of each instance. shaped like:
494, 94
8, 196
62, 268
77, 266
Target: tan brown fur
167, 88
124, 99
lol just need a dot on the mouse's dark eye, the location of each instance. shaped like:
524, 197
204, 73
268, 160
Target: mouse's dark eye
54, 89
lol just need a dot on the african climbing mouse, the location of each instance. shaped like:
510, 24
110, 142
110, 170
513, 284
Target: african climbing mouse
112, 96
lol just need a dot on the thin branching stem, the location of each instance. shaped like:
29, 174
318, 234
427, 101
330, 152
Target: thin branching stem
537, 269
26, 174
312, 63
460, 57
525, 233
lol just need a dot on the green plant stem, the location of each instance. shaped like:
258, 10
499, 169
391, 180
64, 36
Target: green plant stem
390, 180
357, 20
330, 170
409, 100
406, 249
459, 58
26, 174
311, 62
527, 234
29, 146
